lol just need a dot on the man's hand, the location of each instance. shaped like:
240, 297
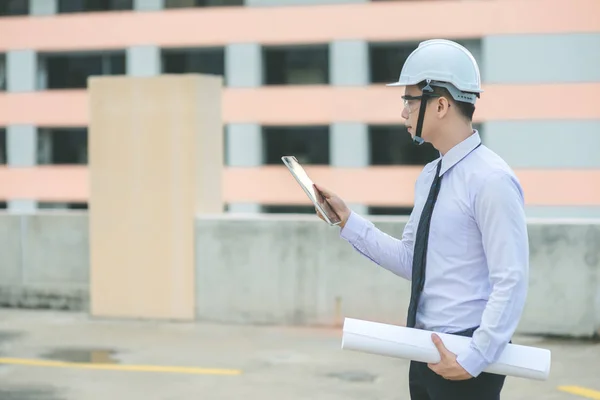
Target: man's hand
447, 368
337, 204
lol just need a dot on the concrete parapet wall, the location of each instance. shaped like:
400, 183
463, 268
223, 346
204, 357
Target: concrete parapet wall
295, 270
45, 261
285, 270
564, 284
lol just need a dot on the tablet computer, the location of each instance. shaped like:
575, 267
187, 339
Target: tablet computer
313, 194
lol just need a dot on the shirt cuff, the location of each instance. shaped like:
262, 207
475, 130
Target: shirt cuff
354, 228
472, 361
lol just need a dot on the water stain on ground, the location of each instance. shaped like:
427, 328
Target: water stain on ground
353, 376
29, 393
82, 355
6, 336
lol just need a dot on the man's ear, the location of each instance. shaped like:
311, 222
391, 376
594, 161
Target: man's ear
442, 106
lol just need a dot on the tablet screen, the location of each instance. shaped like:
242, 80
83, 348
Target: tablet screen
307, 184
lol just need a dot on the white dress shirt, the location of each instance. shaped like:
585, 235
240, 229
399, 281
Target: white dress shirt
478, 254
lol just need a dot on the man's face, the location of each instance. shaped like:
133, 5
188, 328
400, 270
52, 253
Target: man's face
411, 109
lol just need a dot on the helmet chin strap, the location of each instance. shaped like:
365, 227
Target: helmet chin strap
426, 95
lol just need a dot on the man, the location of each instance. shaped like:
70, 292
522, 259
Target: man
465, 245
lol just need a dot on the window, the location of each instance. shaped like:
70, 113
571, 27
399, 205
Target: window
404, 211
204, 61
2, 73
386, 60
3, 146
309, 144
62, 206
283, 209
76, 6
71, 71
393, 145
62, 146
14, 7
301, 65
201, 3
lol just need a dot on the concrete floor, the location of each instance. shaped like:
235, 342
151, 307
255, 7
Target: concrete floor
274, 362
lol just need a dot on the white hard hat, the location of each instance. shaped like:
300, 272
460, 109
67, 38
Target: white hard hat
443, 63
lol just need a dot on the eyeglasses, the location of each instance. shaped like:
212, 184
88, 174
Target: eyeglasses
411, 101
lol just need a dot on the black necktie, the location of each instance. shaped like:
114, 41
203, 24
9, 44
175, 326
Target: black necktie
420, 251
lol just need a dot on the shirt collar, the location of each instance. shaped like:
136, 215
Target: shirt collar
460, 151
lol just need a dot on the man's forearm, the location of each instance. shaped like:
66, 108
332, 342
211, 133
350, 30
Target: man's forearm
390, 253
498, 324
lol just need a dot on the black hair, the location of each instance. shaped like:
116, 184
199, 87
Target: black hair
465, 109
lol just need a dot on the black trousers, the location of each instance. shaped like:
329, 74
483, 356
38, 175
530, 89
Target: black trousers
425, 384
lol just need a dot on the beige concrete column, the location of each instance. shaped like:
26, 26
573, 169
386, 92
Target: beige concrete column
155, 161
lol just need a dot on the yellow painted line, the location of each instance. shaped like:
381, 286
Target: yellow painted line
581, 391
116, 367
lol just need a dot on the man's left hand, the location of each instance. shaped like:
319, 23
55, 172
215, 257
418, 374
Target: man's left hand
447, 368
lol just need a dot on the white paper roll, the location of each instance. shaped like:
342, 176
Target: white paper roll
416, 344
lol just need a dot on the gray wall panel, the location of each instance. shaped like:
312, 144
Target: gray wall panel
546, 144
143, 61
148, 5
349, 63
243, 65
43, 7
546, 58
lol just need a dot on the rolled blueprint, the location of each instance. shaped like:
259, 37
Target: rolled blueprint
416, 344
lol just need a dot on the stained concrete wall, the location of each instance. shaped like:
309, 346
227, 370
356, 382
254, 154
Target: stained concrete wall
296, 270
564, 294
280, 270
45, 261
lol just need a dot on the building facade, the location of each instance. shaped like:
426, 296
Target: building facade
307, 78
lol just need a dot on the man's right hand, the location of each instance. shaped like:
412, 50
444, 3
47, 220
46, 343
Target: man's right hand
336, 203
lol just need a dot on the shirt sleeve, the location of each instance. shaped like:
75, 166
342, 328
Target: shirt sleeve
499, 212
386, 251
